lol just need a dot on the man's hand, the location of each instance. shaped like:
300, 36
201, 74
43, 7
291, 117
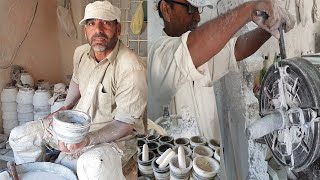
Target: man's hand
73, 147
276, 16
50, 116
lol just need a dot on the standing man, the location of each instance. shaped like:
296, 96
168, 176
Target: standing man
189, 58
108, 83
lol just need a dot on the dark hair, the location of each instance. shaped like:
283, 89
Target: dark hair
158, 6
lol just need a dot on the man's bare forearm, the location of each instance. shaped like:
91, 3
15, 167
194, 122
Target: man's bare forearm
111, 132
250, 42
207, 40
73, 95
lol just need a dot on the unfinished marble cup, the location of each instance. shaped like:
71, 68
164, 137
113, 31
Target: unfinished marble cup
145, 167
153, 137
140, 143
153, 146
160, 173
182, 141
202, 151
204, 168
213, 144
187, 151
197, 141
163, 147
177, 173
71, 126
166, 139
9, 94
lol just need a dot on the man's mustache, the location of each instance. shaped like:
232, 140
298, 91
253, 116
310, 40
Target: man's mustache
100, 35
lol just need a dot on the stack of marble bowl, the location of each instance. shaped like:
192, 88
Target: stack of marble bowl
25, 104
40, 102
9, 108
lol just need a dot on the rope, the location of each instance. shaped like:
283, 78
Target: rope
16, 51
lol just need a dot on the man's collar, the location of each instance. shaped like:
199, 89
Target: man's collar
164, 33
111, 57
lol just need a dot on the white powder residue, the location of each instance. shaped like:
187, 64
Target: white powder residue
40, 175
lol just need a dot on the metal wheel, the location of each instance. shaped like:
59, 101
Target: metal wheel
296, 94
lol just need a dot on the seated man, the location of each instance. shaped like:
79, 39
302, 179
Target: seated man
109, 84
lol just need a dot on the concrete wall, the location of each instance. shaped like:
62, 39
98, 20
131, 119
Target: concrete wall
47, 51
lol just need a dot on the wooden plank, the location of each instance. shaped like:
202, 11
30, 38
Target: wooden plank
130, 170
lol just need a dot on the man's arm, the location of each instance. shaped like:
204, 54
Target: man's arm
111, 132
250, 42
207, 40
73, 95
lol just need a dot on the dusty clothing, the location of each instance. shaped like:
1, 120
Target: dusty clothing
115, 87
172, 74
29, 140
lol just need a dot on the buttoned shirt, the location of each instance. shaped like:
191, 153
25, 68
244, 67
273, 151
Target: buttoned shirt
172, 77
112, 89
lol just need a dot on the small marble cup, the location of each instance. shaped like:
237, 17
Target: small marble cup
163, 147
187, 151
202, 151
153, 137
153, 146
197, 141
166, 139
182, 142
213, 144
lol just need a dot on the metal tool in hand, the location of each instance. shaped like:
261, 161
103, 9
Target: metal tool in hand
282, 48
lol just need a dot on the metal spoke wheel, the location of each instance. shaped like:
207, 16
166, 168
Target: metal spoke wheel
293, 89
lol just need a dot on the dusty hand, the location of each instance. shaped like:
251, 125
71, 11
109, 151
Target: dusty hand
276, 17
73, 147
50, 116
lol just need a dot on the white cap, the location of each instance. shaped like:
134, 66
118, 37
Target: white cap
101, 10
200, 3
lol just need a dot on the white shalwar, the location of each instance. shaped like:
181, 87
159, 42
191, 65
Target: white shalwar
172, 77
